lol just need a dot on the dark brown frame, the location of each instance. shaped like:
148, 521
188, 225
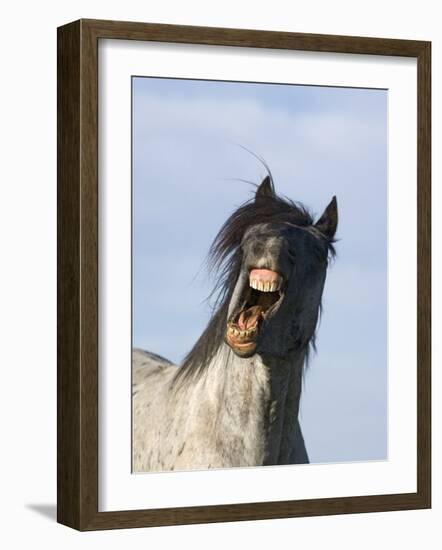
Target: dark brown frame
77, 408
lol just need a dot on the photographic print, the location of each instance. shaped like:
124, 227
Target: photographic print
243, 272
259, 273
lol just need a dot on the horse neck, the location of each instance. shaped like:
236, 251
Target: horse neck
256, 402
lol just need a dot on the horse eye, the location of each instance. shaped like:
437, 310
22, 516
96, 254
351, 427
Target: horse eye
292, 255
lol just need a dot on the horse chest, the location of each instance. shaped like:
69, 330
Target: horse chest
228, 418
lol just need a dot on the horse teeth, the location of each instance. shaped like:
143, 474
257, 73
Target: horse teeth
266, 286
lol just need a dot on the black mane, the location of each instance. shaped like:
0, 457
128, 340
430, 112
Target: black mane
225, 256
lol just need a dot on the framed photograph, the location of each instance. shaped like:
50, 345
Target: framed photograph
243, 274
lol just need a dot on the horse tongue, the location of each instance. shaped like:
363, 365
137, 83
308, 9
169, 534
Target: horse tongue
249, 317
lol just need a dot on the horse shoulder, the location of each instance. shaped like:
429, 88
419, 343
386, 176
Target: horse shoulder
151, 376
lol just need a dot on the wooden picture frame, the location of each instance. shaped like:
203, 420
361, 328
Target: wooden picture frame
77, 409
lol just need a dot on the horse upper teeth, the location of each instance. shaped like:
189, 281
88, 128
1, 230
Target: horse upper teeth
266, 286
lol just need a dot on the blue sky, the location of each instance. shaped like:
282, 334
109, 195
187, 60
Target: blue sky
318, 142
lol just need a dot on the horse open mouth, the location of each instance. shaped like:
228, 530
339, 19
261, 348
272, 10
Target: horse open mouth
259, 300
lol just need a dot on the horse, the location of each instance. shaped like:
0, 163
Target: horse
234, 401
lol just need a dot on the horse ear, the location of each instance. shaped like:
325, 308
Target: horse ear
328, 222
265, 189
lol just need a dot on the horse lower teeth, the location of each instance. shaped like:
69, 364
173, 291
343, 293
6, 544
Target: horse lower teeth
241, 333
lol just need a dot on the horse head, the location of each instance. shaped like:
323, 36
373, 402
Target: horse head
281, 264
